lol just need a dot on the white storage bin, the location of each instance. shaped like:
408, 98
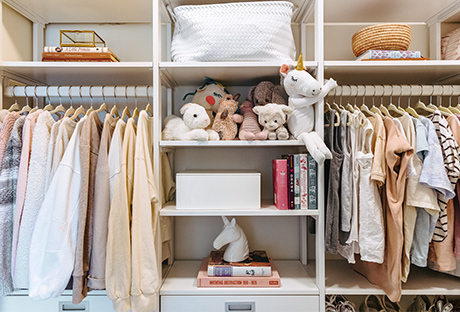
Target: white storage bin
238, 31
211, 189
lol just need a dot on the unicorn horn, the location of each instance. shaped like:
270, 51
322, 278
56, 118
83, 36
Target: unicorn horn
300, 62
224, 218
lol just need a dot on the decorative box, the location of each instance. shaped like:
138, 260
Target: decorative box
80, 38
218, 189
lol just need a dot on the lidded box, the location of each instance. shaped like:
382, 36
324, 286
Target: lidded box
218, 189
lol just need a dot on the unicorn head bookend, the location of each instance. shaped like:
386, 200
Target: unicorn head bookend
233, 235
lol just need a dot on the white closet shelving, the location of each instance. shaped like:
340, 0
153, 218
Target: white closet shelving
323, 30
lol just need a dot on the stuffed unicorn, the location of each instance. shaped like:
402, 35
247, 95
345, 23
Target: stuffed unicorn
304, 91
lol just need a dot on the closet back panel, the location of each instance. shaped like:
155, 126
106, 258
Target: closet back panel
16, 36
278, 236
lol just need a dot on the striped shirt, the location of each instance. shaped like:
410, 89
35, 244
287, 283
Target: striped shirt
450, 151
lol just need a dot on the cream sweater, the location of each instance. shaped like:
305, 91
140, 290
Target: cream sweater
118, 257
146, 207
35, 194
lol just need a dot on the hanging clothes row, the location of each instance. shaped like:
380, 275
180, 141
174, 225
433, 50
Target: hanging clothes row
391, 186
79, 203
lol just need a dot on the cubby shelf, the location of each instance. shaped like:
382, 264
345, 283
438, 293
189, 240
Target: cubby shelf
267, 209
236, 143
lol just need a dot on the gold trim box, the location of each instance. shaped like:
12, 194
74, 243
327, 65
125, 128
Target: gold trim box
80, 38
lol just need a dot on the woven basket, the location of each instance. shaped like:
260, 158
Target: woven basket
381, 37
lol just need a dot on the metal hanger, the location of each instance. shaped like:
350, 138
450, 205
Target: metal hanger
35, 108
382, 107
148, 108
420, 105
15, 107
444, 110
103, 106
90, 109
453, 109
70, 111
409, 108
60, 107
80, 110
348, 106
136, 110
126, 112
391, 107
364, 107
48, 107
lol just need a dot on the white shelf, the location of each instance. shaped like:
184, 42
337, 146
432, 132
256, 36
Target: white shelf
66, 292
392, 72
342, 279
83, 73
267, 209
235, 143
84, 11
181, 281
228, 73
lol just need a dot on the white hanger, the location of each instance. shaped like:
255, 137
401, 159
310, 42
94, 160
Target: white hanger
36, 98
444, 110
409, 108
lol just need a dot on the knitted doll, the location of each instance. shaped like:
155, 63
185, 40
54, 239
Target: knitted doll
250, 128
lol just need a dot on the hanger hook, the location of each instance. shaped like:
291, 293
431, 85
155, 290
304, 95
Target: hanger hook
81, 97
400, 94
356, 95
35, 94
341, 93
115, 95
442, 94
135, 95
48, 95
383, 93
148, 98
431, 95
91, 94
14, 94
126, 95
70, 95
59, 93
451, 94
348, 98
103, 93
421, 92
410, 93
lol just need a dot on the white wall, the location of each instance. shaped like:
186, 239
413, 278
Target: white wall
16, 36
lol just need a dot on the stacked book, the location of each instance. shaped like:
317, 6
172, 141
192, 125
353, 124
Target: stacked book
295, 182
256, 271
78, 54
393, 55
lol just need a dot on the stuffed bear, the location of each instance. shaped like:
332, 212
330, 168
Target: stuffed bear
209, 95
273, 117
225, 123
265, 92
191, 127
304, 91
250, 128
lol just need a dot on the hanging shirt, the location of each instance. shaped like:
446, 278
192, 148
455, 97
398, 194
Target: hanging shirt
115, 155
371, 230
434, 176
89, 151
332, 141
379, 139
8, 180
55, 234
27, 133
146, 276
101, 207
441, 255
450, 152
346, 192
388, 274
118, 262
51, 146
65, 131
35, 194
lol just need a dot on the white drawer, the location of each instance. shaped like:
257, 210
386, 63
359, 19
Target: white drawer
22, 303
239, 303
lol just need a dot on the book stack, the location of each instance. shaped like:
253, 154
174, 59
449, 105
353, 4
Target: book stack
256, 271
78, 54
393, 55
295, 182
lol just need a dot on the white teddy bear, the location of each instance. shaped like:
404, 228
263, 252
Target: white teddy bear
273, 117
191, 127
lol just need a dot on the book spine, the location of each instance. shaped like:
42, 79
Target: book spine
303, 182
76, 60
389, 54
75, 49
78, 55
296, 181
280, 183
215, 281
312, 183
239, 271
290, 175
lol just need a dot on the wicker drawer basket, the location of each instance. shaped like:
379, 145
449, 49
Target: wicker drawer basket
381, 37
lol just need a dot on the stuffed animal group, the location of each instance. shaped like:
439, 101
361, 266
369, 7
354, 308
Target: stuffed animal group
212, 115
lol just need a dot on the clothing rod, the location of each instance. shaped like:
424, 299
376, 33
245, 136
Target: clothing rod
77, 92
395, 90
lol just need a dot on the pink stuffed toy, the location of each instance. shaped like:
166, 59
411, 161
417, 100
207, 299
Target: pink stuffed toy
250, 128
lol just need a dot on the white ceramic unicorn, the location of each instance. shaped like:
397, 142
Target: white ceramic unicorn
232, 234
304, 91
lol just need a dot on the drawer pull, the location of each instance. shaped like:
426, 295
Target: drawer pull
240, 307
68, 306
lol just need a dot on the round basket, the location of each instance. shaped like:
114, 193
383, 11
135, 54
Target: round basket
381, 37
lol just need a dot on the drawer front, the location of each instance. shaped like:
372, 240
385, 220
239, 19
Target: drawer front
22, 303
239, 303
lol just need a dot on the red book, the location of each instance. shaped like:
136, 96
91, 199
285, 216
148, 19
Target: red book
203, 280
280, 183
290, 180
